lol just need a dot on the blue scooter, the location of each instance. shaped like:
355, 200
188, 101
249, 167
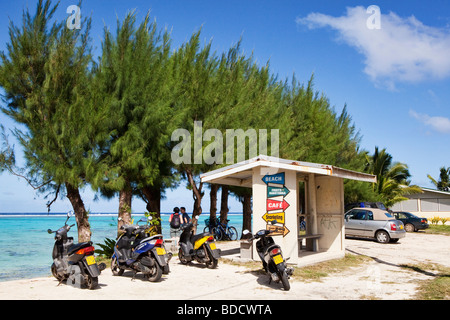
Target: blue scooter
137, 251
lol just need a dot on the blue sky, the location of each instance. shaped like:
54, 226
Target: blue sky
395, 80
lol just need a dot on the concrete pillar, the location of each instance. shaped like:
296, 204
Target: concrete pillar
312, 244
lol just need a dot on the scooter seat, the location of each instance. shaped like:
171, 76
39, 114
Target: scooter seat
199, 236
78, 246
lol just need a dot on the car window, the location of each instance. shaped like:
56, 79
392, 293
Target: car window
400, 215
357, 214
388, 215
369, 215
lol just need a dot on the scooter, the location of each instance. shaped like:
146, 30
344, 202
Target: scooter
137, 251
272, 257
200, 247
74, 262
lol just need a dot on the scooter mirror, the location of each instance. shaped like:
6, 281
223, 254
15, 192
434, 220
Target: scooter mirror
245, 232
49, 231
69, 214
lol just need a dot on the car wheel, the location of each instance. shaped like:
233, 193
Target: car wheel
382, 237
409, 227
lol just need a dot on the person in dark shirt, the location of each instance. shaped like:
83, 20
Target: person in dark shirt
185, 216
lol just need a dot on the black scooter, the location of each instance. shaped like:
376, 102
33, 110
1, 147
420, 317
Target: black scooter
74, 262
272, 257
200, 247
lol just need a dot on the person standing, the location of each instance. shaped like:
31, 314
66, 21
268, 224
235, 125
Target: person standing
185, 215
175, 221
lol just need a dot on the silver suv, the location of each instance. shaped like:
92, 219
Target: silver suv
373, 223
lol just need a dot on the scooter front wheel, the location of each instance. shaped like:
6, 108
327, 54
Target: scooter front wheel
55, 273
116, 271
182, 258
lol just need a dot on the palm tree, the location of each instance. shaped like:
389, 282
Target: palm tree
392, 177
444, 179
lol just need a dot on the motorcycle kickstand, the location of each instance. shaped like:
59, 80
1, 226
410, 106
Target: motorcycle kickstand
134, 275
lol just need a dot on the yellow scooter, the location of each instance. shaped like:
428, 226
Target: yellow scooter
200, 247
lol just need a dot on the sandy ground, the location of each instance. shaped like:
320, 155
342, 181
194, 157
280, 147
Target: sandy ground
381, 278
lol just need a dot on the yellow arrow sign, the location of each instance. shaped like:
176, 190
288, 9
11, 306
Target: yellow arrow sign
278, 216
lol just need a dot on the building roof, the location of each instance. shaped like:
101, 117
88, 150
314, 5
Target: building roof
240, 174
436, 191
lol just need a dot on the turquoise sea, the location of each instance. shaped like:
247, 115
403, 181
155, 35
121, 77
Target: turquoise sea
26, 247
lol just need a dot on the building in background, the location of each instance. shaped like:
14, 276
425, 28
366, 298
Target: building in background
428, 204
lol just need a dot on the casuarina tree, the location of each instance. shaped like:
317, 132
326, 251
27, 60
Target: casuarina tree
45, 76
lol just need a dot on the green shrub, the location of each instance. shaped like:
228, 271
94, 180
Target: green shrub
107, 248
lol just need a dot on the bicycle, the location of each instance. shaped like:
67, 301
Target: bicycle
211, 224
225, 232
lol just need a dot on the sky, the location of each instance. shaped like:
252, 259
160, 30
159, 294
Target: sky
388, 61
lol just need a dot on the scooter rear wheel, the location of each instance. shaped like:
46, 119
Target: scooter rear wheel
156, 273
212, 263
91, 282
284, 280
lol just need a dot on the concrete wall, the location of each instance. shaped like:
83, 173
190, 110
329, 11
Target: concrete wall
330, 213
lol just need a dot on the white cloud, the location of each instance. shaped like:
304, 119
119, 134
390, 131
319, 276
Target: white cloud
402, 50
439, 124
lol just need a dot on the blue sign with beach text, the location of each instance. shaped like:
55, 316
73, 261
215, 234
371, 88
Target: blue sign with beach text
274, 178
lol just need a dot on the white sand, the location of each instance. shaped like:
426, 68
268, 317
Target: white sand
381, 278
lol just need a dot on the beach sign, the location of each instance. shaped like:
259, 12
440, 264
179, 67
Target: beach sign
274, 178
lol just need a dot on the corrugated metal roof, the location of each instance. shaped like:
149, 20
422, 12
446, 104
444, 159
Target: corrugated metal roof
240, 174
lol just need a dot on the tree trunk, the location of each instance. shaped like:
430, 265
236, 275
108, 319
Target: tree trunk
213, 202
125, 196
81, 215
247, 214
224, 204
196, 194
153, 197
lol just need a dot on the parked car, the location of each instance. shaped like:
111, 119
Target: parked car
373, 223
412, 223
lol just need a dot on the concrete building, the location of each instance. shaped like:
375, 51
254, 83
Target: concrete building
430, 203
275, 190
